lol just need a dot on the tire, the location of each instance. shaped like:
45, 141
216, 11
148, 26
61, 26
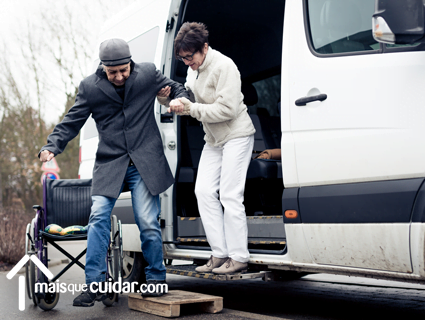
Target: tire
32, 277
115, 260
288, 275
32, 281
27, 249
134, 267
49, 302
112, 297
116, 250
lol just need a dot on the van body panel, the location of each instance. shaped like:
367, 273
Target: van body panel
366, 202
417, 242
356, 134
286, 262
131, 238
298, 247
137, 20
88, 144
375, 246
289, 161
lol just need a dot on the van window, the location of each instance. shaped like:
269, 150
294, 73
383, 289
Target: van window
143, 47
341, 26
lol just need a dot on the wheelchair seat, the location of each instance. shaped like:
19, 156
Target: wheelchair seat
67, 237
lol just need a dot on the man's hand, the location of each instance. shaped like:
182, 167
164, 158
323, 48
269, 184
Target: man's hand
46, 155
164, 92
176, 106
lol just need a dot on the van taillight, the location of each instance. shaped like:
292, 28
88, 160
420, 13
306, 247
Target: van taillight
79, 156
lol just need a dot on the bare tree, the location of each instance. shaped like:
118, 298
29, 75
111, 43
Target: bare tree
55, 54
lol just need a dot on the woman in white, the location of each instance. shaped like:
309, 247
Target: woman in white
215, 83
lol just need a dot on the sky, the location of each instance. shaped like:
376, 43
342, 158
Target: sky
17, 15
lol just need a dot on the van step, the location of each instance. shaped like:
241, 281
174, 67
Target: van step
259, 227
189, 271
256, 241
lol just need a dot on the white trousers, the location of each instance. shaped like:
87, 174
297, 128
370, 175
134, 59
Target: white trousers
221, 184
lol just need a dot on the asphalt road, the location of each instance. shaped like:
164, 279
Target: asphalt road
312, 297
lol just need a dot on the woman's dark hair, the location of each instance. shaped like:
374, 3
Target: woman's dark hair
191, 37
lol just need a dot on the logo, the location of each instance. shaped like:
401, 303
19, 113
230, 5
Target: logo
18, 267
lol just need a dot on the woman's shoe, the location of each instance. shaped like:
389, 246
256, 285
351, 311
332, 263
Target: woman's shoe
231, 266
212, 263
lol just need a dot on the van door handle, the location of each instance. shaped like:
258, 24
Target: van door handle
304, 100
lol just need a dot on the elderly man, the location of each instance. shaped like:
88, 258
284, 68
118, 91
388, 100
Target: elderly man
120, 97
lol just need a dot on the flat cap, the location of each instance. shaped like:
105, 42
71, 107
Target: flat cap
114, 52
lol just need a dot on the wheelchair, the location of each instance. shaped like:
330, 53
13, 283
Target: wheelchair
65, 203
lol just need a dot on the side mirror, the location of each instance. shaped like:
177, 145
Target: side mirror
399, 21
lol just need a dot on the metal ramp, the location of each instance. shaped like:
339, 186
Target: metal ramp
189, 271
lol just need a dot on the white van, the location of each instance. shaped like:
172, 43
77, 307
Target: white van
347, 112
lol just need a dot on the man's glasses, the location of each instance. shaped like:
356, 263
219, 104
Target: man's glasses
188, 58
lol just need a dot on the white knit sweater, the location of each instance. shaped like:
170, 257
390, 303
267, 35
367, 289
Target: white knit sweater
219, 105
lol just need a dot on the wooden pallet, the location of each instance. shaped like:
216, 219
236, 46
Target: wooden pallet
169, 304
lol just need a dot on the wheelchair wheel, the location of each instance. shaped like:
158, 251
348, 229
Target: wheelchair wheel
27, 271
32, 281
116, 249
115, 258
32, 278
49, 302
112, 297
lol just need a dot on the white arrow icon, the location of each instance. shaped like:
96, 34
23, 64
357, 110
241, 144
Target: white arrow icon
18, 267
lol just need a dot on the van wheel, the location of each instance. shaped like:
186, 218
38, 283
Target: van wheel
288, 275
133, 267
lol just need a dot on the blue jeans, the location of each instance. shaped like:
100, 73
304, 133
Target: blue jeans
146, 213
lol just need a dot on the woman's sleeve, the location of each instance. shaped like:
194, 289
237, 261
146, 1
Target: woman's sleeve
228, 93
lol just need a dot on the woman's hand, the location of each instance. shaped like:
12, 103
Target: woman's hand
180, 106
176, 106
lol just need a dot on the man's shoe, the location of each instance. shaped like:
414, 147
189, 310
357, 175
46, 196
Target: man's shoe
87, 298
160, 288
231, 266
212, 263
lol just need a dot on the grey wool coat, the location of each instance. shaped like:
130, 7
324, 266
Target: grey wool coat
127, 129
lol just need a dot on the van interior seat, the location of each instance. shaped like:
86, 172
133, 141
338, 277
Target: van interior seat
267, 136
